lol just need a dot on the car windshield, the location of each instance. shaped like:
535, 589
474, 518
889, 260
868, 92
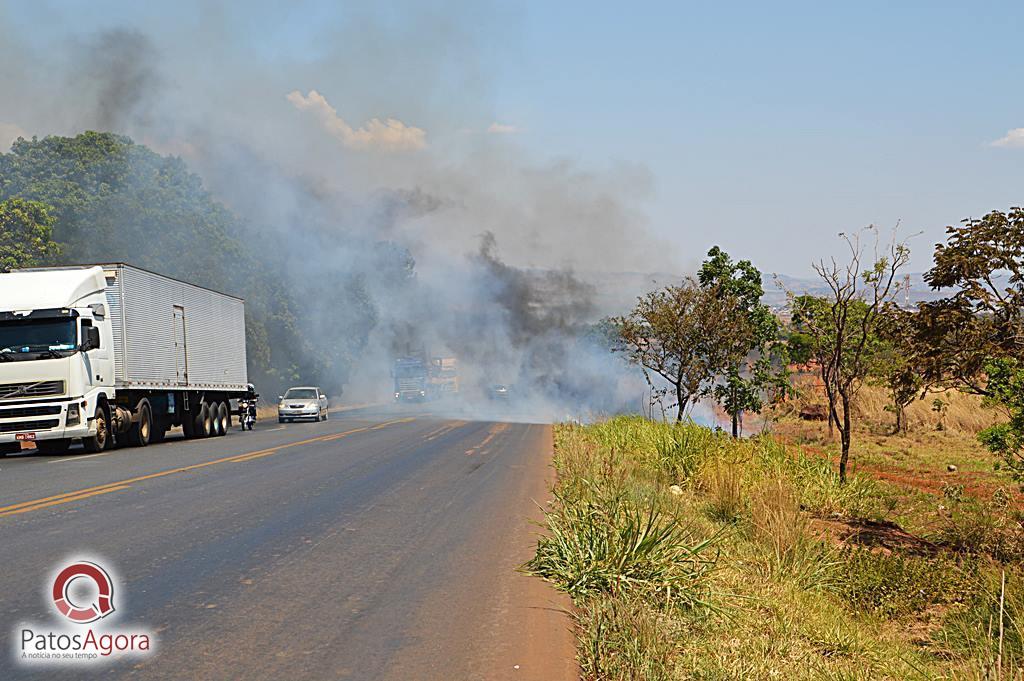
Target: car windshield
300, 394
30, 336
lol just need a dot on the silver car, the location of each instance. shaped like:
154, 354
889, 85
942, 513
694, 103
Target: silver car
303, 403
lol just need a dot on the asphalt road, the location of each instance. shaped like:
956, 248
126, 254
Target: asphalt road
381, 544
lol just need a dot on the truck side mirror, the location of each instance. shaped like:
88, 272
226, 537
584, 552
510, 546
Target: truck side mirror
91, 340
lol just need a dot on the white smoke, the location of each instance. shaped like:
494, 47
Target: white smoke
388, 135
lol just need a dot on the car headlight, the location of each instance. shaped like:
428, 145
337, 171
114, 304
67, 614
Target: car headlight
74, 416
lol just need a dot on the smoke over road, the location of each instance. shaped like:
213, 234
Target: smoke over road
371, 171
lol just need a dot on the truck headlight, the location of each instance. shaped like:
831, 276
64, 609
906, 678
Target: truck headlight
74, 416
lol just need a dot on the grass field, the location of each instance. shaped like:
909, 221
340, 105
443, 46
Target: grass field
690, 555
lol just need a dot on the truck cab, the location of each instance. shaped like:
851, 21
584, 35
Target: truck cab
56, 360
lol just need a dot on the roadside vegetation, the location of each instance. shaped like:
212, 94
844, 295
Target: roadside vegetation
872, 524
693, 555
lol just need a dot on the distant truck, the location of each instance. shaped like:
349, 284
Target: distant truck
112, 354
417, 380
410, 374
443, 377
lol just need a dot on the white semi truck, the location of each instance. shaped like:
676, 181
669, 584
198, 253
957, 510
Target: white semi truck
113, 354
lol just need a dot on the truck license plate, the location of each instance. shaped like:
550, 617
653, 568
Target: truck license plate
25, 436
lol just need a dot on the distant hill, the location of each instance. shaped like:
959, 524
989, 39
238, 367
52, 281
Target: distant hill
616, 292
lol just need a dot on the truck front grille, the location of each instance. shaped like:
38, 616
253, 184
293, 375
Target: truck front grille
28, 426
36, 389
21, 412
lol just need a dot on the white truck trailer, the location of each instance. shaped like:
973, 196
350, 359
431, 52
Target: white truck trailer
113, 354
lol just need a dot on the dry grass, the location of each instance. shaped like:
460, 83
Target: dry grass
785, 597
722, 484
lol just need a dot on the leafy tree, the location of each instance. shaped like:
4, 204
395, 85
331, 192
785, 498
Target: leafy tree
26, 229
974, 337
1005, 389
842, 326
896, 362
684, 334
749, 369
982, 263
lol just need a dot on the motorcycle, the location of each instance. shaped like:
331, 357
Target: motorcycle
247, 413
247, 409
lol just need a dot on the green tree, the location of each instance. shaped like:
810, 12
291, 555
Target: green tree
749, 371
896, 361
683, 334
842, 326
26, 234
973, 339
1005, 387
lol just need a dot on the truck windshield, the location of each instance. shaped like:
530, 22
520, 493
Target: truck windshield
300, 394
409, 372
28, 338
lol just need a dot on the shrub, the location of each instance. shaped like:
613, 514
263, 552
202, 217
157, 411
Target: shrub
976, 527
894, 585
974, 629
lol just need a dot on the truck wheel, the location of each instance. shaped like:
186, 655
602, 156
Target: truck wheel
217, 425
141, 432
53, 446
224, 418
204, 421
101, 440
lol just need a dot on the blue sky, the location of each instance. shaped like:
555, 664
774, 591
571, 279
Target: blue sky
764, 127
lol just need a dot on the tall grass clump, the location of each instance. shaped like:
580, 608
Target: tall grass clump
789, 550
625, 640
817, 484
606, 544
722, 482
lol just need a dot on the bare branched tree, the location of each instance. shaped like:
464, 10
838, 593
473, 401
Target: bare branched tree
842, 325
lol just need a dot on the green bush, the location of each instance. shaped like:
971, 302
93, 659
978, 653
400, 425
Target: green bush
974, 628
894, 585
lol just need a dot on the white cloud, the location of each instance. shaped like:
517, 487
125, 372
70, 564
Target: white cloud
1014, 138
389, 135
502, 129
8, 133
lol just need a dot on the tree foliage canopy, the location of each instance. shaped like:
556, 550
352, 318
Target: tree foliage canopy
749, 370
686, 334
26, 234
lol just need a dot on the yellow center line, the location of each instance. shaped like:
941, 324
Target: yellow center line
120, 484
445, 429
63, 501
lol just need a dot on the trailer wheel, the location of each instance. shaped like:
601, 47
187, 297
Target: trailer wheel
141, 432
101, 440
216, 425
204, 421
223, 418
